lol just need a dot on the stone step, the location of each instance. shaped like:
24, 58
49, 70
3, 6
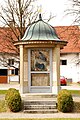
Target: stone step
39, 102
36, 96
41, 111
38, 107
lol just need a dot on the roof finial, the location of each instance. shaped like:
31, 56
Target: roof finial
40, 17
40, 10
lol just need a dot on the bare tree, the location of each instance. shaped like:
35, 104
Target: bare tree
74, 10
76, 5
16, 15
74, 30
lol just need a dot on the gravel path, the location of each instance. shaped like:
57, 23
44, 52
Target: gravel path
25, 115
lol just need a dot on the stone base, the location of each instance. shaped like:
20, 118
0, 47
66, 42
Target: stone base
56, 89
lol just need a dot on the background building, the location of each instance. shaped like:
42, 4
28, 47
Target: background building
69, 57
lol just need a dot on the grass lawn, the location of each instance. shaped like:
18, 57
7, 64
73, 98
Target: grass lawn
75, 92
44, 119
3, 91
3, 107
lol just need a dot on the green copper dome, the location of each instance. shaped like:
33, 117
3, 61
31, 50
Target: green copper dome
40, 30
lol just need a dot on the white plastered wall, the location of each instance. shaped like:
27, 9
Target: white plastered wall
72, 69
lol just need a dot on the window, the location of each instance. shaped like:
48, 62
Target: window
14, 71
63, 62
3, 72
10, 62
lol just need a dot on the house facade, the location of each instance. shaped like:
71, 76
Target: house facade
70, 66
70, 55
9, 68
9, 58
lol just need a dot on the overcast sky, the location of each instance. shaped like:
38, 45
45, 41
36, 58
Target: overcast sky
57, 8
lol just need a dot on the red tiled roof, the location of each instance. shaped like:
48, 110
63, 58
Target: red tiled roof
67, 33
72, 35
6, 41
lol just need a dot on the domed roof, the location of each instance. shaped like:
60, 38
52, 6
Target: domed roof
40, 30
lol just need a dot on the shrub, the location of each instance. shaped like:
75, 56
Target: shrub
65, 101
13, 100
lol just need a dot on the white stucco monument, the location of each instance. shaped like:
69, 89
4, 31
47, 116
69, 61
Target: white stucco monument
40, 59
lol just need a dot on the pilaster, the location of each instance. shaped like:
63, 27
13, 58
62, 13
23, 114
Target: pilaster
26, 84
21, 69
56, 69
